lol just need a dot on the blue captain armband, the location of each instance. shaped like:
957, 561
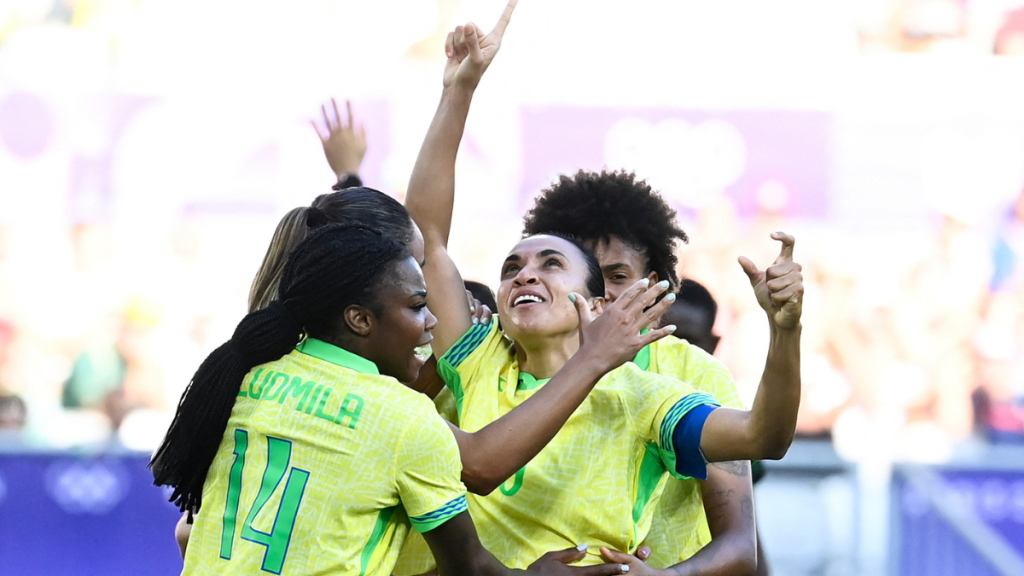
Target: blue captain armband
686, 443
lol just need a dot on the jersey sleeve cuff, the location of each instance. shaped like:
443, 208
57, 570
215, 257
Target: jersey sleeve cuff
681, 429
431, 520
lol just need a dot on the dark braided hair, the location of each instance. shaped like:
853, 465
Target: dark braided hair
359, 205
595, 206
336, 267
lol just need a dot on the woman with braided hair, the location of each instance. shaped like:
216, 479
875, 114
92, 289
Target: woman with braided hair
309, 454
490, 456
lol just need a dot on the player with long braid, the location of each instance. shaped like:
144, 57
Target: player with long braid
300, 443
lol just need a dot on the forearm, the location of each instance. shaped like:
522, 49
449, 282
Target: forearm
777, 401
727, 555
766, 430
430, 199
728, 499
457, 549
496, 452
431, 194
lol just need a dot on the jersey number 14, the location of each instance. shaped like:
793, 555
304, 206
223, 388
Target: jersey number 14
279, 454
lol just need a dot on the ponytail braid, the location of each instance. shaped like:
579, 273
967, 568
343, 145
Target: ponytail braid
336, 267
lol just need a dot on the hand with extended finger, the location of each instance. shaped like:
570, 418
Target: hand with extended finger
780, 288
470, 51
557, 564
614, 337
344, 143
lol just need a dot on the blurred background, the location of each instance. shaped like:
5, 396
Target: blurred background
149, 147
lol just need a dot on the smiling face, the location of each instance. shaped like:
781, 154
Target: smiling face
401, 322
621, 264
536, 279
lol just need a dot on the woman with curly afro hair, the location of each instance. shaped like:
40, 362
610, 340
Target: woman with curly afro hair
599, 480
634, 234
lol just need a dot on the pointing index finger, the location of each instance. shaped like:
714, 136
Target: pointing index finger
506, 17
786, 254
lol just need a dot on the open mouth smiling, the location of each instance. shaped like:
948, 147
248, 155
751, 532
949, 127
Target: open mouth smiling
527, 299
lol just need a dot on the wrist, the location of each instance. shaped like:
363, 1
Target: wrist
590, 363
785, 332
456, 92
348, 179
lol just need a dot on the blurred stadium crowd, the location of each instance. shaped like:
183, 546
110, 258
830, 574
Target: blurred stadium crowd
914, 329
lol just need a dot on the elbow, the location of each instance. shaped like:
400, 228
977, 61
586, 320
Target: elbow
774, 448
740, 558
746, 566
479, 482
744, 561
743, 566
777, 449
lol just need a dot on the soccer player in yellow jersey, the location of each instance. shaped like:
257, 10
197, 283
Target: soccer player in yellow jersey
599, 478
633, 232
308, 454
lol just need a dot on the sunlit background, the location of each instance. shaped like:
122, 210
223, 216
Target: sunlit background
149, 147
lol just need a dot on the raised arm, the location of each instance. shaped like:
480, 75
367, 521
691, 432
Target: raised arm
493, 454
766, 431
431, 192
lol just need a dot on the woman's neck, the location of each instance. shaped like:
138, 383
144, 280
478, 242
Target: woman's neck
544, 357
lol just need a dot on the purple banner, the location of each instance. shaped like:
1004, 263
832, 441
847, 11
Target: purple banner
926, 544
776, 159
64, 515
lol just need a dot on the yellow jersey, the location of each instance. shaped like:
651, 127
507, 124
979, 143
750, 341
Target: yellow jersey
679, 527
600, 476
322, 469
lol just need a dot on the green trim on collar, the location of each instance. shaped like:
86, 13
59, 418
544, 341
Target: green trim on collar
528, 382
339, 356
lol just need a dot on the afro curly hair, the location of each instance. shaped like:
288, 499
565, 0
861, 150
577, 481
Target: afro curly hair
596, 206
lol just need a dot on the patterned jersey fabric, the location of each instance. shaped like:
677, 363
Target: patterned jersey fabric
323, 467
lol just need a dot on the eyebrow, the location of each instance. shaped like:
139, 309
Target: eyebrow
615, 266
541, 254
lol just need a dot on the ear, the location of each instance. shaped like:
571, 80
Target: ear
653, 277
360, 320
597, 305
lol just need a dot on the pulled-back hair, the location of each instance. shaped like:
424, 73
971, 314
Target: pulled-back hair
331, 270
595, 206
359, 205
595, 279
